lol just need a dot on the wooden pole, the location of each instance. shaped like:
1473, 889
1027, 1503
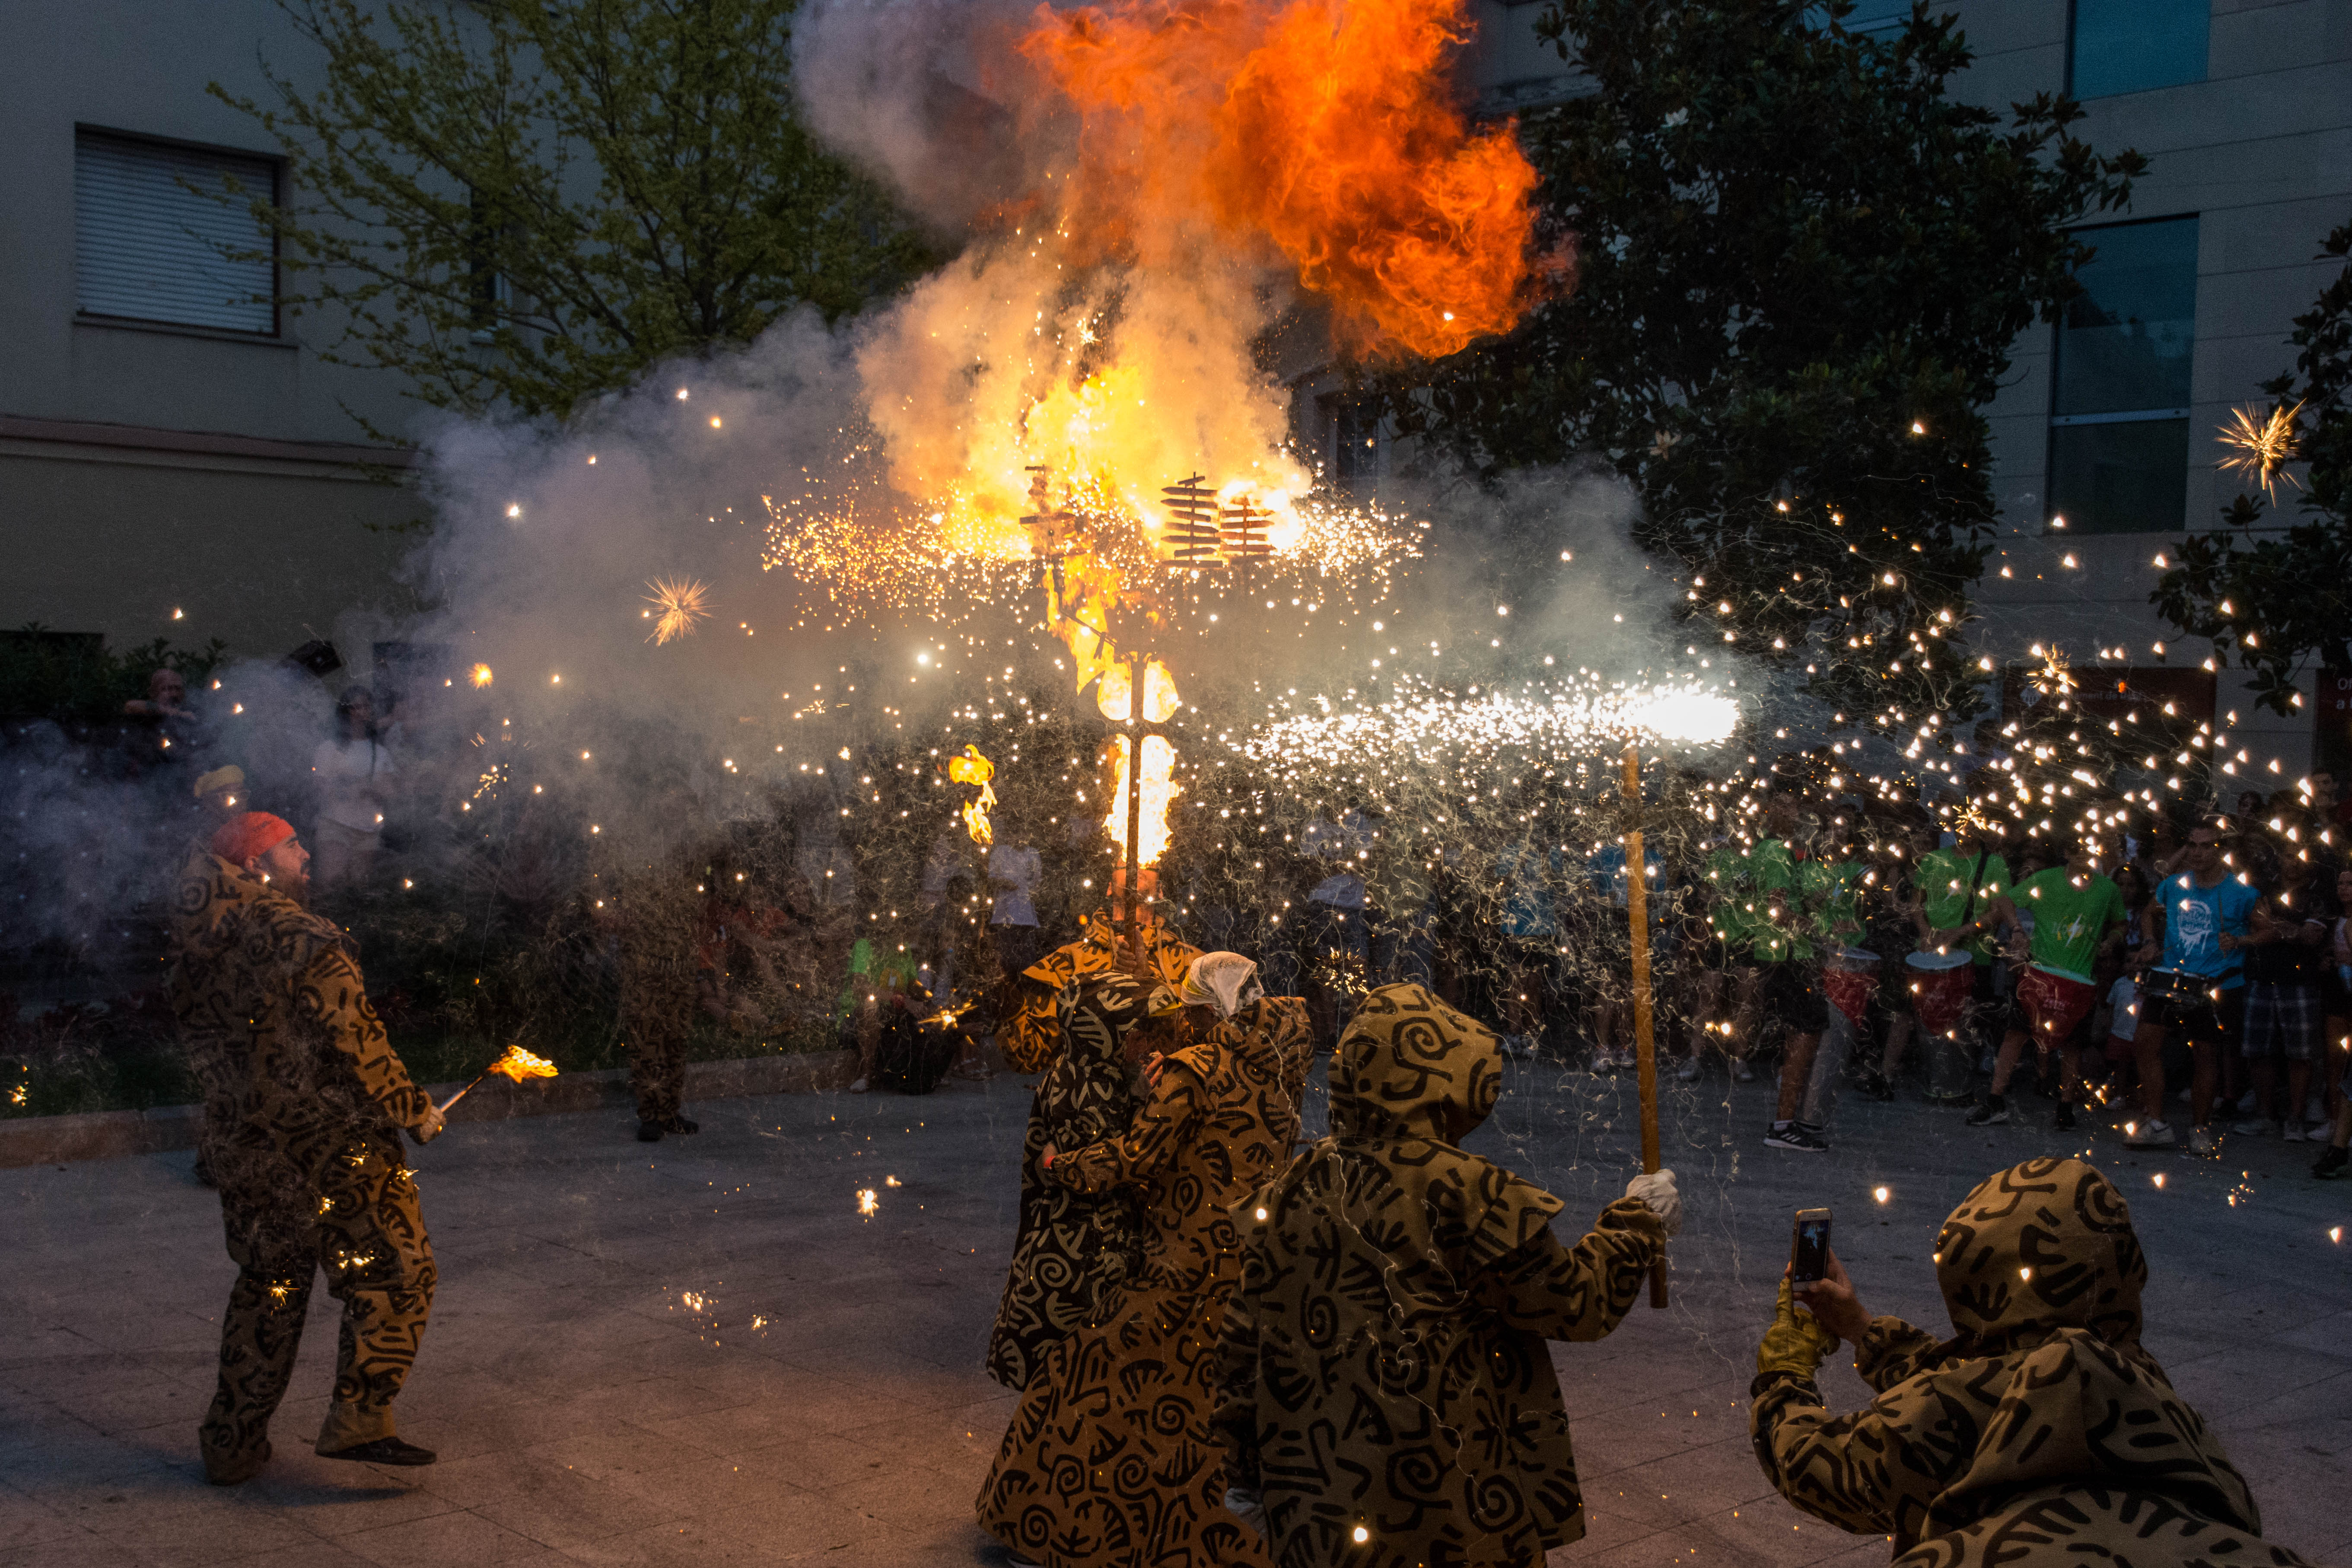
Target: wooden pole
1645, 1042
1135, 807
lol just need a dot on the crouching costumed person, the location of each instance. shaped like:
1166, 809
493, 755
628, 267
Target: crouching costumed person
309, 1162
1387, 1396
1109, 1458
2040, 1434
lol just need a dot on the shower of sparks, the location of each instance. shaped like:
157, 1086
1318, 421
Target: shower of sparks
1425, 726
682, 603
868, 1200
481, 675
2262, 448
694, 1302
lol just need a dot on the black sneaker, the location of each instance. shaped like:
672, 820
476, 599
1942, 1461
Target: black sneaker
384, 1451
679, 1124
2063, 1117
1875, 1087
1795, 1135
649, 1131
2331, 1164
1991, 1113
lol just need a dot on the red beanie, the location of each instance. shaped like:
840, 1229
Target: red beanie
241, 838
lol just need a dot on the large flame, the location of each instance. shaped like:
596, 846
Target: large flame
1323, 126
1160, 790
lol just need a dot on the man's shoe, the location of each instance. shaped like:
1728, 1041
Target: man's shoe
1689, 1072
1741, 1072
2202, 1141
2063, 1117
680, 1124
648, 1132
1875, 1087
1993, 1113
2292, 1131
2331, 1164
1798, 1136
2148, 1135
857, 1088
2255, 1127
384, 1451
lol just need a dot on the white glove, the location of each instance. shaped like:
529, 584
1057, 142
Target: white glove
1656, 1191
430, 1128
1248, 1507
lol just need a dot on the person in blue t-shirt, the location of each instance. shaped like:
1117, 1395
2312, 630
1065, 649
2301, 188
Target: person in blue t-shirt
2197, 985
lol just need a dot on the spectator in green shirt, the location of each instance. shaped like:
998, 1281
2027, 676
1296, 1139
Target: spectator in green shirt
2078, 916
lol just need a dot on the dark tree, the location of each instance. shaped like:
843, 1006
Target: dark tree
1800, 267
2281, 596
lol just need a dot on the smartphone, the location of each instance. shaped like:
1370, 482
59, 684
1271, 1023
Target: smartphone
1809, 1250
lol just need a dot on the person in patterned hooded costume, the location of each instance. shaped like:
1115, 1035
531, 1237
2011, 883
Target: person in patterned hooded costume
1110, 1458
1072, 1243
310, 1166
2041, 1434
1385, 1387
1030, 1036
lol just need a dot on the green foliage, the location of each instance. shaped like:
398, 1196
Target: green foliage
2279, 598
1798, 270
521, 206
74, 678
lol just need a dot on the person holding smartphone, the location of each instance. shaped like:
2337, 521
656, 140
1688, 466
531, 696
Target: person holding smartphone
2006, 1433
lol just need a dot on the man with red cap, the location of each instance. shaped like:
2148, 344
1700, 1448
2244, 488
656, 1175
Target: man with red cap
309, 1167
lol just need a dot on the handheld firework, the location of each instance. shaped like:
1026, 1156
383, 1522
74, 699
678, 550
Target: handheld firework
516, 1064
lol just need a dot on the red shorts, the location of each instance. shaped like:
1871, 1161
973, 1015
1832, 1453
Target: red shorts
2051, 1007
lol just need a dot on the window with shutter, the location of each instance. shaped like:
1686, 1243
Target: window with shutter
154, 242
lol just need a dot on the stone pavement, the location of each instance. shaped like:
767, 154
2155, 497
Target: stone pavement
702, 1352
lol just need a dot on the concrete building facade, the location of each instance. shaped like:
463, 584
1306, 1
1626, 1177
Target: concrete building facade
176, 459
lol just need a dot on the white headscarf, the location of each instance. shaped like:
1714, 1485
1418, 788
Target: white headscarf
1225, 981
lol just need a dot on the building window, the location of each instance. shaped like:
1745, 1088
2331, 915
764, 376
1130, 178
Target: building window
1881, 17
2131, 46
2119, 419
154, 241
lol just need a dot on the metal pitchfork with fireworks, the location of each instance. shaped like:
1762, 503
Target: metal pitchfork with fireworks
516, 1063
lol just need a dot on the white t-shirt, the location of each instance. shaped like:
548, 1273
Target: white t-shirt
1021, 868
354, 782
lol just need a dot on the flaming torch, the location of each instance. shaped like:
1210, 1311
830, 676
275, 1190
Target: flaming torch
516, 1064
971, 768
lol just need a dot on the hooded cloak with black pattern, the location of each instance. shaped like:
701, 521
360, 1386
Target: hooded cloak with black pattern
1071, 1244
1385, 1365
2041, 1433
1110, 1458
1030, 1036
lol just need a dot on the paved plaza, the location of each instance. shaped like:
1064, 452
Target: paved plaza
703, 1353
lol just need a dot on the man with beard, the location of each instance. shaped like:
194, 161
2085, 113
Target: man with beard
310, 1164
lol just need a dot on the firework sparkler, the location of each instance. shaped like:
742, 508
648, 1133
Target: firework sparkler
2262, 447
683, 604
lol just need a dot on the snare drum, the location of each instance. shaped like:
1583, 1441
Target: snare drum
1850, 976
1942, 984
2171, 996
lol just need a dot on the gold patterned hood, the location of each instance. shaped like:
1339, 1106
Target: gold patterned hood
1411, 1068
2042, 1246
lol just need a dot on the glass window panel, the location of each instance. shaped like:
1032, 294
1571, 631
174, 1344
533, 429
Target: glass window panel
2126, 341
2127, 478
2131, 46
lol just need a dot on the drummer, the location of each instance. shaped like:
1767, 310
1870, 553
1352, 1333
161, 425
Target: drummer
2198, 986
2078, 920
1954, 884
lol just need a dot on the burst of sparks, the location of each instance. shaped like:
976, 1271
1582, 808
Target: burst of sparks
481, 675
868, 1200
682, 603
2262, 448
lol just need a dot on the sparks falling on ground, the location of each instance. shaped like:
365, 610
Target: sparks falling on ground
2262, 447
682, 603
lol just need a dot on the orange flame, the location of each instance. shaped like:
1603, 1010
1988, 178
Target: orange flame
519, 1064
1160, 790
1324, 127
